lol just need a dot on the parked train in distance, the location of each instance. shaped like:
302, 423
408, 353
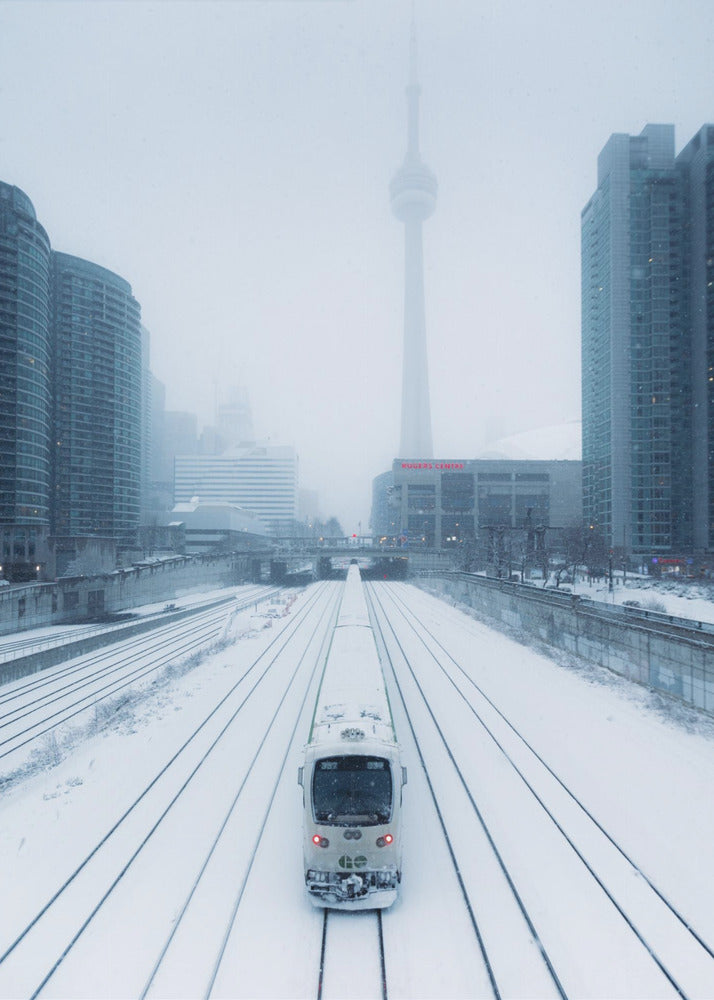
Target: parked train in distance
352, 777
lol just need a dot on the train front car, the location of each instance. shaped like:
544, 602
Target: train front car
352, 776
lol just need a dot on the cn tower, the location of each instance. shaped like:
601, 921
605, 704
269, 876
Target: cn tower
413, 196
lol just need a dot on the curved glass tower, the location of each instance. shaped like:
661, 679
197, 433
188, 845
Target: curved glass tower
25, 376
97, 401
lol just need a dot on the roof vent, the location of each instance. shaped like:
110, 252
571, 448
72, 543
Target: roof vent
352, 733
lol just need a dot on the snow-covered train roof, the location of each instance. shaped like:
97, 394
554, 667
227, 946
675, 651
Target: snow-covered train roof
353, 609
341, 729
353, 696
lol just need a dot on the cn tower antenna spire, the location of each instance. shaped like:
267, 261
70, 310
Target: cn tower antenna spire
413, 75
413, 196
413, 93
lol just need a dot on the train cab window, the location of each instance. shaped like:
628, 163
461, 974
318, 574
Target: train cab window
352, 790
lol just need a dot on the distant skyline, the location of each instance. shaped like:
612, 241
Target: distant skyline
231, 161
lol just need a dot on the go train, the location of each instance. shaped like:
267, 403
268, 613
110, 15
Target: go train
352, 777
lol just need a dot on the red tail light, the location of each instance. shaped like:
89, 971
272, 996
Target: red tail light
385, 840
319, 841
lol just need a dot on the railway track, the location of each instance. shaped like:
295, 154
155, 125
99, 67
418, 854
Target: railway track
355, 934
108, 879
38, 641
475, 736
512, 884
190, 915
46, 702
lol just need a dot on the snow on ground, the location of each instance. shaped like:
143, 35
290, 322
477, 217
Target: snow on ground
642, 763
682, 598
83, 781
645, 762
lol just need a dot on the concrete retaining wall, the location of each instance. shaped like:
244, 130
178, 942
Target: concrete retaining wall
681, 665
83, 598
21, 666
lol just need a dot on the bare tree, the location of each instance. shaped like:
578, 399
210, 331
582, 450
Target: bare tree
584, 549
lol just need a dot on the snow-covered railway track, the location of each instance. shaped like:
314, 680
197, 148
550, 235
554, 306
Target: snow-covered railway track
220, 784
557, 863
31, 709
468, 848
14, 645
235, 849
40, 641
48, 679
352, 934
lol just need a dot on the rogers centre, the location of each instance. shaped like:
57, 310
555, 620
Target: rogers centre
442, 503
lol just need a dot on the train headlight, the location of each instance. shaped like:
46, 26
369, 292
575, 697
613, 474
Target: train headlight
385, 840
319, 841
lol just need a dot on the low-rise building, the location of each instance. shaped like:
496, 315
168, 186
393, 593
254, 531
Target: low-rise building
443, 503
216, 527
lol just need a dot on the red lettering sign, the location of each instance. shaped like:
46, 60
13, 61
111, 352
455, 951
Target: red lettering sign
441, 466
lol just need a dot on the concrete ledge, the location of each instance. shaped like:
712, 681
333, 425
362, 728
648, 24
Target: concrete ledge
660, 651
34, 663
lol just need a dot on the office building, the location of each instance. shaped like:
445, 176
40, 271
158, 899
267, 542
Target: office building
235, 418
646, 344
147, 420
445, 503
216, 527
260, 478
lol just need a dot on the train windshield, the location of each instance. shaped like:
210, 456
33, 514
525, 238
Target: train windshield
347, 790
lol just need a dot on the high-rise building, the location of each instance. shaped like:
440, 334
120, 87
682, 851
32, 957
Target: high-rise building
160, 473
25, 385
147, 419
413, 195
97, 401
648, 344
261, 478
74, 397
696, 164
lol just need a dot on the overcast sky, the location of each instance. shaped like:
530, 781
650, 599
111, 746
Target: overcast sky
231, 160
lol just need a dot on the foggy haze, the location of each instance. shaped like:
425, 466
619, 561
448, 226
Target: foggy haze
231, 161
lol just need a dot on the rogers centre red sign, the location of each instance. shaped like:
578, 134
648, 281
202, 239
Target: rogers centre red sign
432, 465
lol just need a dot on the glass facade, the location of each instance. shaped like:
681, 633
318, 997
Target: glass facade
25, 371
708, 319
696, 166
597, 361
97, 401
645, 233
656, 314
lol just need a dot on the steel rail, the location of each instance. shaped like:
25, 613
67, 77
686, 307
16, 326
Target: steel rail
283, 639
